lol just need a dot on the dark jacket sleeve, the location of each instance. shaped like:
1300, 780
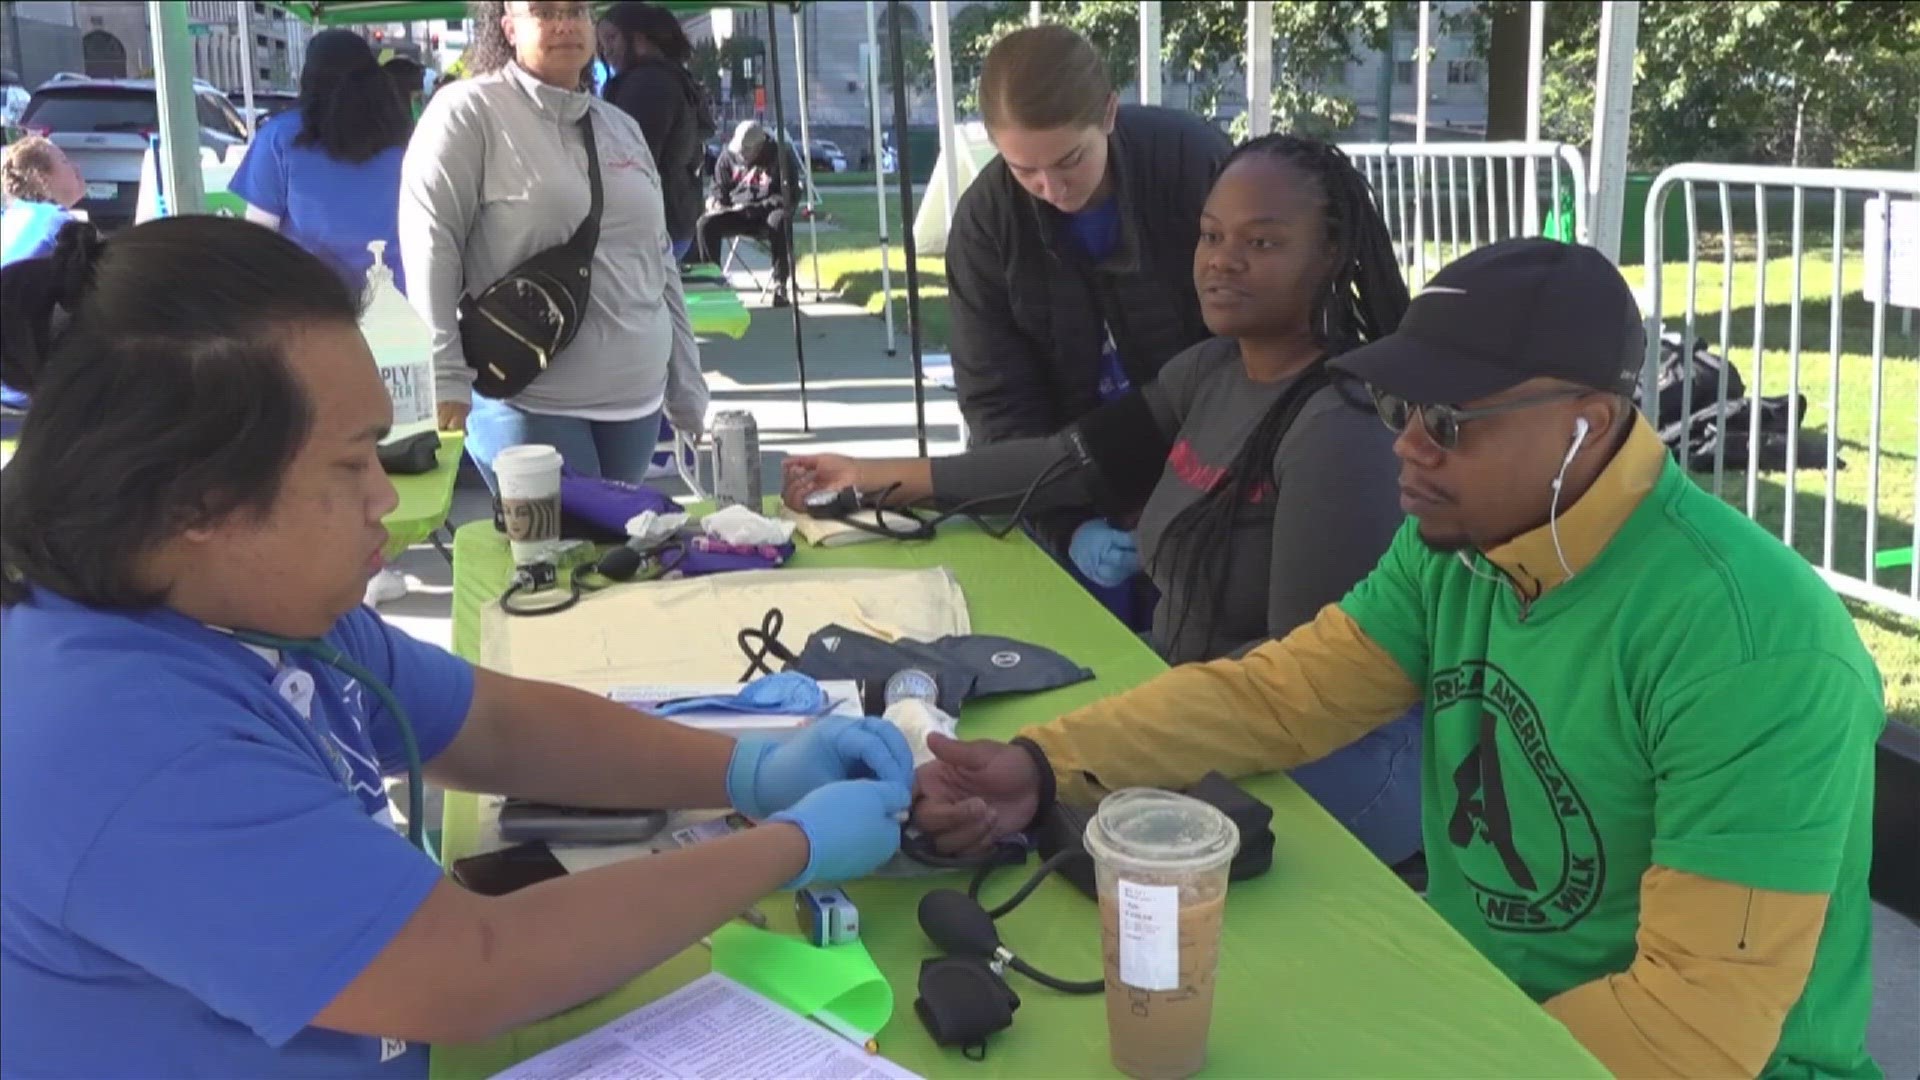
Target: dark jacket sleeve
726, 169
999, 372
652, 95
1338, 510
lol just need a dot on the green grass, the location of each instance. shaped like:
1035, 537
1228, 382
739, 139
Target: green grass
850, 264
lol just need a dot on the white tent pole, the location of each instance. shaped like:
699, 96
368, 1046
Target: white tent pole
179, 164
811, 193
1421, 63
1422, 60
1033, 13
1612, 112
1536, 66
1259, 67
937, 11
246, 68
879, 174
1149, 52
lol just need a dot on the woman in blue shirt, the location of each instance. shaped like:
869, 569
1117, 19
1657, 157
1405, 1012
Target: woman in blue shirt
328, 173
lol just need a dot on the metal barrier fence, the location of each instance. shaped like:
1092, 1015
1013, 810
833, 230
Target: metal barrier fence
1421, 189
1848, 191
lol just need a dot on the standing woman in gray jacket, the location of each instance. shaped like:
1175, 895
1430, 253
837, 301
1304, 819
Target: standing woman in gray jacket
497, 173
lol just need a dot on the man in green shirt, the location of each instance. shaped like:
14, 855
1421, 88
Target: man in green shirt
1648, 769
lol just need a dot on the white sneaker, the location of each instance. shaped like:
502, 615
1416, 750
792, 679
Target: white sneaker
388, 584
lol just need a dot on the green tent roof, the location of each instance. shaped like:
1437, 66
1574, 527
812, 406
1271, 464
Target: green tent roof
353, 12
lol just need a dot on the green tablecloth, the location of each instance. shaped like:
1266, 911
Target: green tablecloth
425, 498
1330, 966
713, 308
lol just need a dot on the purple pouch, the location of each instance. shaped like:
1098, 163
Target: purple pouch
704, 555
597, 507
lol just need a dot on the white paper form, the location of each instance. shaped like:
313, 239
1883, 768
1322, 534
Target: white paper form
711, 1029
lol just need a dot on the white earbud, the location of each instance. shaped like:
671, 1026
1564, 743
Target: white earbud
1580, 429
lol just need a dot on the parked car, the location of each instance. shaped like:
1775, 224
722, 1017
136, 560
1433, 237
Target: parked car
13, 99
828, 157
266, 103
104, 125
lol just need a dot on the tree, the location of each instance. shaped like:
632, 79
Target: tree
1748, 80
1207, 40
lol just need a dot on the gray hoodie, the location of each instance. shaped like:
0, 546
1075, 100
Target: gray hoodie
1328, 516
496, 172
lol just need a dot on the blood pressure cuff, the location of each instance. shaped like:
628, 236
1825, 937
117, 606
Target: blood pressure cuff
964, 666
1123, 443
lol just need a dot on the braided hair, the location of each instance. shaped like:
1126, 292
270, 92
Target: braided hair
1362, 301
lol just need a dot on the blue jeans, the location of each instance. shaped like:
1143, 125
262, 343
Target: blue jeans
1373, 788
614, 449
680, 249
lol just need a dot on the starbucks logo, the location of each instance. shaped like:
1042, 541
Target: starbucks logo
1526, 840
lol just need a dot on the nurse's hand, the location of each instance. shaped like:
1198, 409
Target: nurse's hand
851, 827
452, 415
767, 775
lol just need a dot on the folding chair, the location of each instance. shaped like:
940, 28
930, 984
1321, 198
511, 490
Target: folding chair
762, 282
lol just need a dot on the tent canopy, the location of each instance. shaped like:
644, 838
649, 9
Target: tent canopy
355, 12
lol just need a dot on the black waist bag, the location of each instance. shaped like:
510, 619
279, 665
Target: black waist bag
512, 330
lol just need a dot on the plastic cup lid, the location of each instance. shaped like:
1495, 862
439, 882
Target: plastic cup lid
1161, 831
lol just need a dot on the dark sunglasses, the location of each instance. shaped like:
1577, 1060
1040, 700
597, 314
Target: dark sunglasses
1442, 422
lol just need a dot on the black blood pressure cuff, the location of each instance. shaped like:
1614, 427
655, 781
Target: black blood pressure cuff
1123, 444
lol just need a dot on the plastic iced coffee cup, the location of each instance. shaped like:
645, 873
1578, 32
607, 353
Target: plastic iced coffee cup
529, 479
1161, 861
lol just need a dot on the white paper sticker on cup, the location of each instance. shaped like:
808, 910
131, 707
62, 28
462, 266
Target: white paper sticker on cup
1149, 936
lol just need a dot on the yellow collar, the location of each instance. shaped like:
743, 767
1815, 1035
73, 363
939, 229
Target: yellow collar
1588, 525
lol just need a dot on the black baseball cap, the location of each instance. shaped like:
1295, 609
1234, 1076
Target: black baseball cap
1500, 315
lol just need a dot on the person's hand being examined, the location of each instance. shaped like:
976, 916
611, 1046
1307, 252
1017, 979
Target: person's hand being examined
973, 793
452, 415
802, 475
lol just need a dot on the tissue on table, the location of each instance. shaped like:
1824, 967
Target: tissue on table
916, 719
651, 527
738, 525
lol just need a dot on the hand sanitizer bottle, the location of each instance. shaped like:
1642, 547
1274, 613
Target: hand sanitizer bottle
402, 346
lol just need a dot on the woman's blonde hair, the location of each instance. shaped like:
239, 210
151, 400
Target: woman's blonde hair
1044, 77
25, 166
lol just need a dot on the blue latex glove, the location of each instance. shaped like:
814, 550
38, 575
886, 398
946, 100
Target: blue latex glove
1106, 555
768, 775
852, 827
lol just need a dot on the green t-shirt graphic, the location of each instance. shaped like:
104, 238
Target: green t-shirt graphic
1696, 697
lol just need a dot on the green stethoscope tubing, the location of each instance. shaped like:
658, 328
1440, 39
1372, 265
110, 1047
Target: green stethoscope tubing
346, 665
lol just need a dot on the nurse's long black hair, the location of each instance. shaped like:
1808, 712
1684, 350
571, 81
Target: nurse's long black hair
1362, 301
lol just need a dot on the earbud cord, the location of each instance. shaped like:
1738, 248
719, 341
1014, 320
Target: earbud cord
1553, 508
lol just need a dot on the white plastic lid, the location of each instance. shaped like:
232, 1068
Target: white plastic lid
527, 458
1161, 832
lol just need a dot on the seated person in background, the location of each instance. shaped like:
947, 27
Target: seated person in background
202, 875
1264, 490
38, 185
751, 198
1650, 725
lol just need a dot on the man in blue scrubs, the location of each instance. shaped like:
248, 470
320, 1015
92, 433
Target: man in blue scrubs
201, 874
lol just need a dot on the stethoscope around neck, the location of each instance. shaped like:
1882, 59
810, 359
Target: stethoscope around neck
346, 665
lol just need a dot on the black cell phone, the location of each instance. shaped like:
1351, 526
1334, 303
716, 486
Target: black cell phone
498, 873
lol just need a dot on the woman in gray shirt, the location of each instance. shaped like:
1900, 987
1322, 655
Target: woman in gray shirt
496, 173
1263, 490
